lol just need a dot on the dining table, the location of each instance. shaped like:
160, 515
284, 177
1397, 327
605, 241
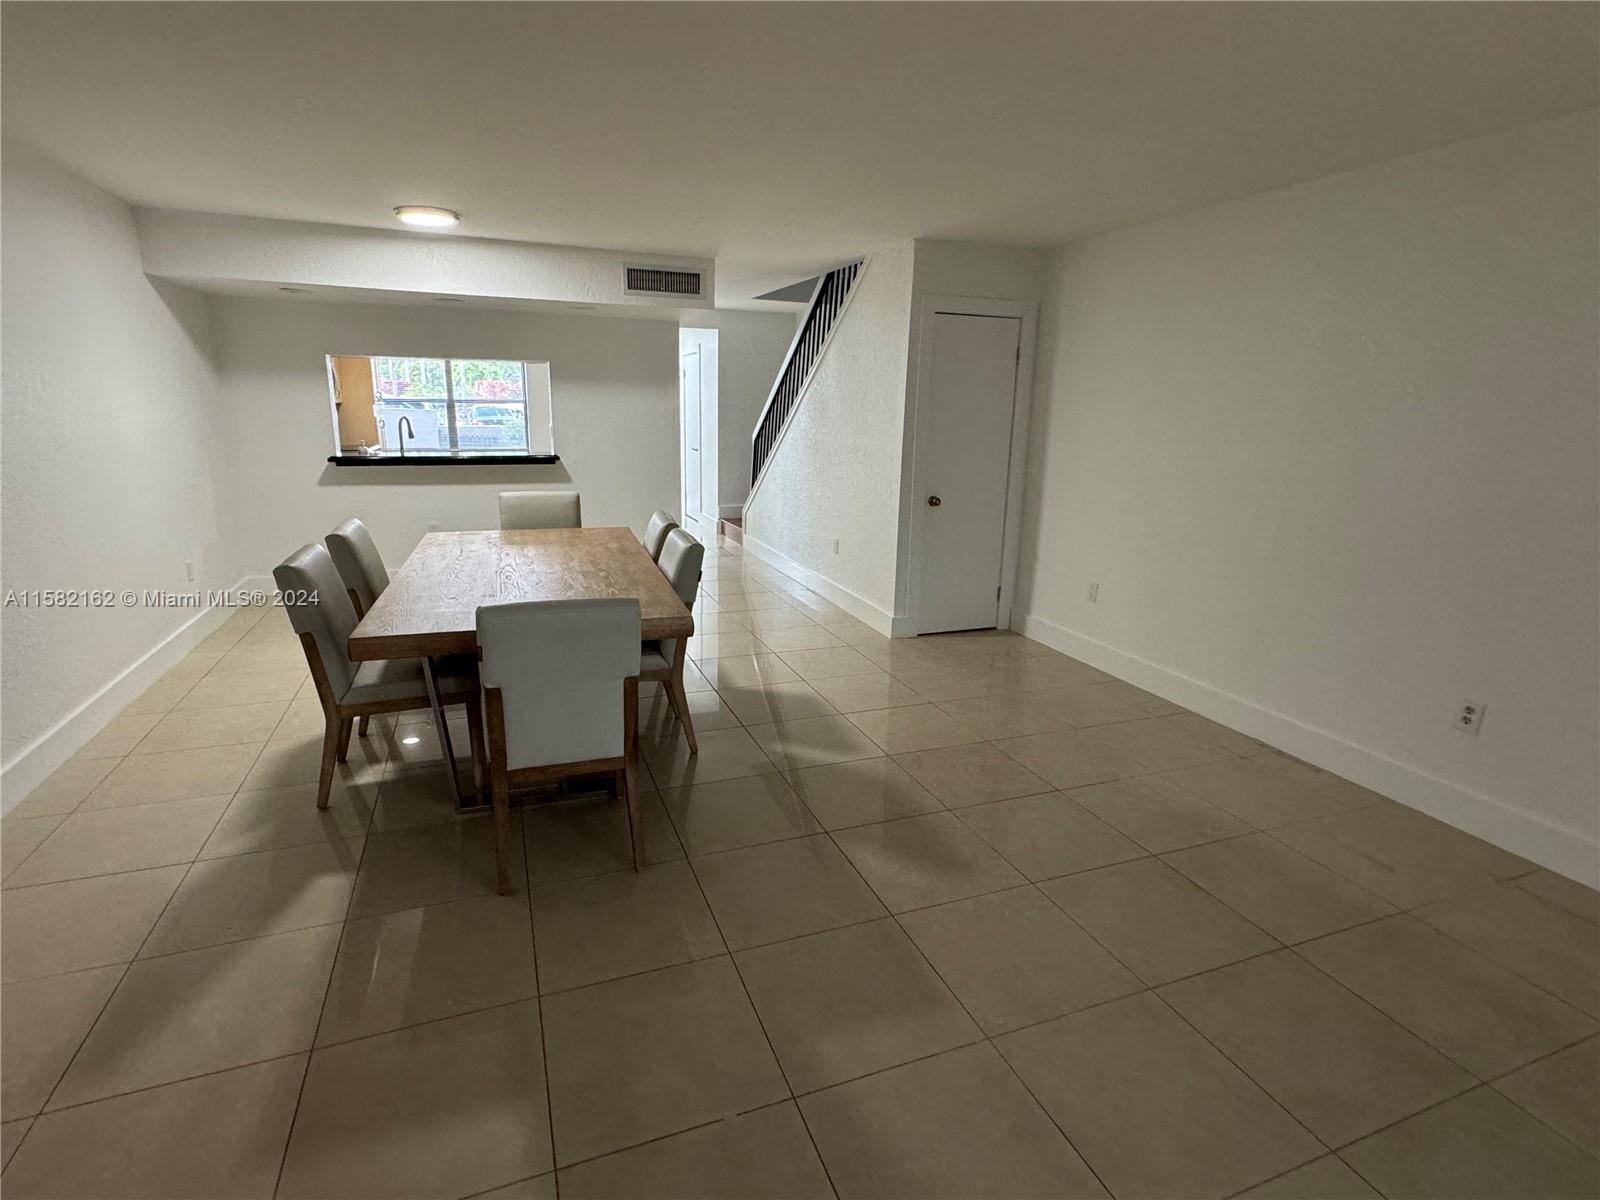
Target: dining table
429, 611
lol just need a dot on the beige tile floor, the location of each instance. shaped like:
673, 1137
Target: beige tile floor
954, 917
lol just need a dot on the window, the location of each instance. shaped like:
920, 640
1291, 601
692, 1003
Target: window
456, 407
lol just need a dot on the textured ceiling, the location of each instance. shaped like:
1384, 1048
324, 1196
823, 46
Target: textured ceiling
778, 137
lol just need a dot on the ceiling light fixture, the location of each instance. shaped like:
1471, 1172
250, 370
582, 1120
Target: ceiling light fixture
427, 216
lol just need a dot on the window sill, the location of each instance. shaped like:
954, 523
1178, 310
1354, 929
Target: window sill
422, 459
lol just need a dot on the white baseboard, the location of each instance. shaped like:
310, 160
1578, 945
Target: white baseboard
35, 762
858, 607
1556, 847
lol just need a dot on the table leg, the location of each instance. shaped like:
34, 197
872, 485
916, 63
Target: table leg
443, 727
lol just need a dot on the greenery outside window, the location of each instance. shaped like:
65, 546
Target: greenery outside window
456, 407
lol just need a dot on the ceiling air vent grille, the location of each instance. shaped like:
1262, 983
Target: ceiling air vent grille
662, 281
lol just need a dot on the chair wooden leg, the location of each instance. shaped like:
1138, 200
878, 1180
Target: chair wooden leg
679, 699
629, 795
500, 792
628, 782
345, 727
361, 725
332, 734
480, 753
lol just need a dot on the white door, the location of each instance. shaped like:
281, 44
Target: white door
964, 470
689, 395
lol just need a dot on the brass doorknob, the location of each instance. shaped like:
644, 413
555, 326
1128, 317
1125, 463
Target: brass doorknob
934, 502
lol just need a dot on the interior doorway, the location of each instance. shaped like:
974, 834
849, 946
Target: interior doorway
698, 431
963, 478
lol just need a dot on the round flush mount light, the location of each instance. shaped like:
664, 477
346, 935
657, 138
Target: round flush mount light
426, 216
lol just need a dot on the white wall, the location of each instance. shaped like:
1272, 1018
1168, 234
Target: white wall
978, 269
836, 472
975, 271
111, 455
1331, 454
750, 349
202, 248
843, 469
615, 386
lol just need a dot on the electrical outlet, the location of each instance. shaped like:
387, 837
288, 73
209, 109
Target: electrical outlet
1094, 593
1469, 716
188, 569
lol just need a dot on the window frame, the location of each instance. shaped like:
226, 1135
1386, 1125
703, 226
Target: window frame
454, 454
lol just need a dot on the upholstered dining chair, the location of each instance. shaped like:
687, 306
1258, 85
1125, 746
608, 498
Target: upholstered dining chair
356, 558
662, 662
561, 698
321, 613
655, 533
540, 510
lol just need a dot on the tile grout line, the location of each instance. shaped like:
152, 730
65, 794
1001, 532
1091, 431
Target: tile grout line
976, 1024
666, 1137
1291, 947
156, 1087
1492, 1085
690, 860
538, 988
127, 969
1414, 910
1034, 884
1476, 1083
1439, 1050
322, 1009
744, 986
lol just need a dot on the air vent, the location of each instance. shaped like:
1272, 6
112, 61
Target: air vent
662, 281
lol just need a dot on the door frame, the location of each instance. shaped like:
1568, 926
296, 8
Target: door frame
691, 519
913, 520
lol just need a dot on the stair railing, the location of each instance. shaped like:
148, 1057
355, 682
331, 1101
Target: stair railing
827, 302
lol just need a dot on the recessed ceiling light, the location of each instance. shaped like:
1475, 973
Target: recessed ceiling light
410, 741
427, 216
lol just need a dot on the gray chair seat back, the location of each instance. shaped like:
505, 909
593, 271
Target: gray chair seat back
681, 561
655, 533
355, 556
316, 602
540, 510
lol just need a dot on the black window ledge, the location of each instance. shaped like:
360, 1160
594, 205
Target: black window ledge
442, 460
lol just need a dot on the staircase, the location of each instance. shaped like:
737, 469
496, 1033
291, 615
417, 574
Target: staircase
827, 303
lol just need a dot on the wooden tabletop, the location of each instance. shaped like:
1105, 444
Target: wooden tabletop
430, 606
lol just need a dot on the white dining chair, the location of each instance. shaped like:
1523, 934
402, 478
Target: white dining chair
655, 533
540, 510
662, 662
320, 611
561, 696
356, 558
